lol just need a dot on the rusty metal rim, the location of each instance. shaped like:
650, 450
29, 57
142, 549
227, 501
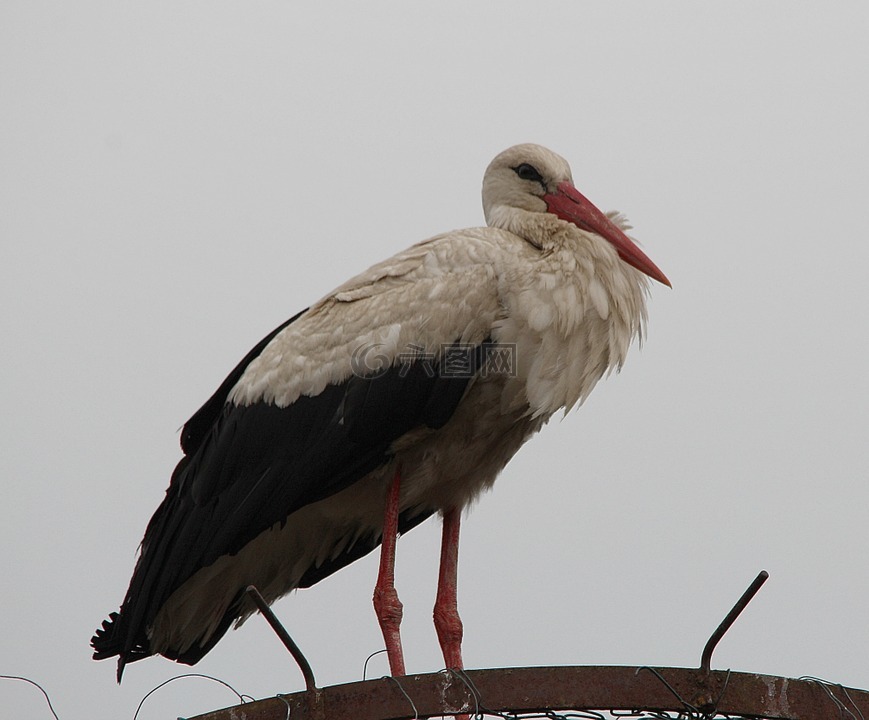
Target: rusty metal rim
534, 689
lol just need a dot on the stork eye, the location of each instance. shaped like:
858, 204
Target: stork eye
528, 172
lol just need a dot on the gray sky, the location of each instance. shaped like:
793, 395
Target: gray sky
177, 179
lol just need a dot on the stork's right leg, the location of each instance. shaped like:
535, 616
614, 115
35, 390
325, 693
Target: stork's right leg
387, 606
446, 614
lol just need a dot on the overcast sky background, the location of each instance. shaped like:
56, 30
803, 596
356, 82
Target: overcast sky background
179, 178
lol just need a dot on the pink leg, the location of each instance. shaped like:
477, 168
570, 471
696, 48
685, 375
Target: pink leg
446, 614
387, 606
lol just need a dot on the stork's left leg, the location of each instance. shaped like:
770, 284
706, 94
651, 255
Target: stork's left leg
387, 606
446, 614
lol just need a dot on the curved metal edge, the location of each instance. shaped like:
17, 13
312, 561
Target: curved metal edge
534, 689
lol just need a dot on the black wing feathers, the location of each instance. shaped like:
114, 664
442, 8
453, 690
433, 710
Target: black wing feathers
203, 419
247, 468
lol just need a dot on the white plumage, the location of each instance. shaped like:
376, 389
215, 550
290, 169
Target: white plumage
288, 467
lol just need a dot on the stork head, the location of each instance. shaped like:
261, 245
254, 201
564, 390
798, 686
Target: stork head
533, 179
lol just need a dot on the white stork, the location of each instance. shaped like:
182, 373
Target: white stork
401, 394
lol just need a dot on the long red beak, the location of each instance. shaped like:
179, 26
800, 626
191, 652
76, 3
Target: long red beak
571, 205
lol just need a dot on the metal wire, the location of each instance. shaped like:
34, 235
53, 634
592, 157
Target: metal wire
242, 698
844, 711
404, 692
36, 685
285, 702
468, 683
367, 660
693, 711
